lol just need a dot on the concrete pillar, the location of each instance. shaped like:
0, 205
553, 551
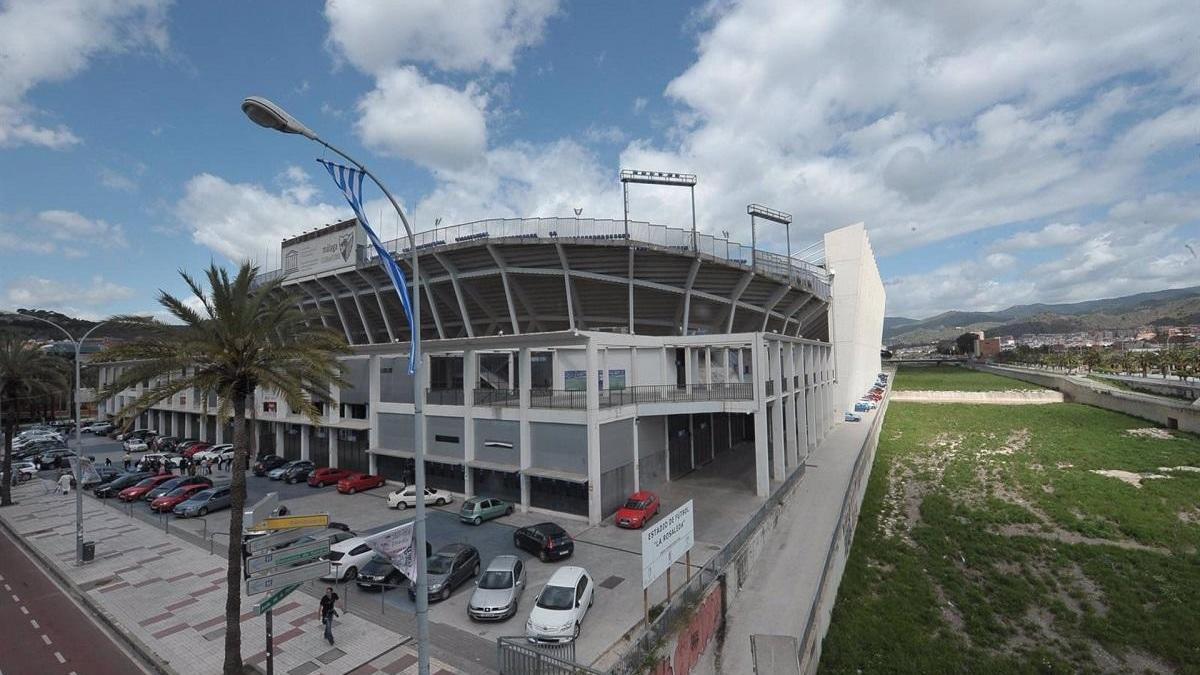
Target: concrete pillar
510, 371
778, 442
331, 437
372, 464
593, 434
471, 374
220, 427
692, 439
708, 366
637, 460
189, 431
762, 483
375, 388
801, 400
305, 439
279, 441
526, 377
789, 374
333, 407
687, 369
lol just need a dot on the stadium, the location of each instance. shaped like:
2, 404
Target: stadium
568, 362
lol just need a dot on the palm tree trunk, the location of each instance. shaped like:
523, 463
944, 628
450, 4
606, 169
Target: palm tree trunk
233, 577
10, 427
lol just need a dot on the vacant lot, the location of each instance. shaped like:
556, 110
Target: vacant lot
1022, 539
954, 378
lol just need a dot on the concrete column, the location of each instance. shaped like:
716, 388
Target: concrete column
305, 435
637, 460
708, 365
687, 368
662, 369
779, 443
801, 399
510, 371
692, 439
593, 435
372, 464
762, 483
220, 427
279, 440
789, 373
333, 407
471, 374
810, 393
189, 432
331, 437
526, 378
375, 387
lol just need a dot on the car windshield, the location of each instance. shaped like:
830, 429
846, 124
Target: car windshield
557, 597
496, 579
147, 482
440, 564
379, 565
178, 492
635, 505
169, 485
201, 495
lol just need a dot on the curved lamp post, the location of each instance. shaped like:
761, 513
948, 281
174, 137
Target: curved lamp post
267, 114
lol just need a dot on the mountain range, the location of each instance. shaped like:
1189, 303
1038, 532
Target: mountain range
1176, 306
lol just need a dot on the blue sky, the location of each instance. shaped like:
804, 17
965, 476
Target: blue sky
1021, 153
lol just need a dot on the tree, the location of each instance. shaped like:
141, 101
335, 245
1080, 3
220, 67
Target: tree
1146, 360
966, 343
27, 375
242, 337
1090, 358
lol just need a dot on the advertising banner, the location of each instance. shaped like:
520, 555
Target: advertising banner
326, 249
665, 542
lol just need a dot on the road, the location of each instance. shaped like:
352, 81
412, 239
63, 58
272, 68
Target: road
44, 630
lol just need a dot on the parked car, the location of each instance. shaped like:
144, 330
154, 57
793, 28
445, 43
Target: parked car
24, 470
98, 428
851, 417
103, 475
136, 433
357, 482
346, 558
498, 591
141, 489
114, 486
55, 458
548, 541
204, 452
298, 471
560, 608
167, 502
478, 509
204, 502
447, 569
267, 462
322, 476
178, 482
190, 447
136, 445
379, 573
638, 510
164, 443
407, 496
278, 472
169, 459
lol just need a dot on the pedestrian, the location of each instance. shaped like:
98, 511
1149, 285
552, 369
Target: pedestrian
328, 612
208, 466
128, 460
108, 461
64, 484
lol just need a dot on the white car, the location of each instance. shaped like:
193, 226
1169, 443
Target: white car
136, 445
347, 558
559, 609
223, 451
99, 428
407, 496
169, 458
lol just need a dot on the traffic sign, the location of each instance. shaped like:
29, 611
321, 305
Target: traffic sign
665, 542
290, 522
287, 577
259, 544
261, 510
274, 598
287, 556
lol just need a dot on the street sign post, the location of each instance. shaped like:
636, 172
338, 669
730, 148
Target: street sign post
275, 598
665, 542
292, 522
287, 577
291, 555
259, 544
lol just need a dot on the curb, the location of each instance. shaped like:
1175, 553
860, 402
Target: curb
149, 659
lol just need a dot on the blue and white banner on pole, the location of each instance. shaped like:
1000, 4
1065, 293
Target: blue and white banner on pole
349, 180
399, 545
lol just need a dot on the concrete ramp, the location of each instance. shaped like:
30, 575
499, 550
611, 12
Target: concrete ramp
775, 654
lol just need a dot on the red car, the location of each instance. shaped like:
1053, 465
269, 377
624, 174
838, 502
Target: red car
638, 510
133, 494
179, 495
327, 476
357, 482
192, 449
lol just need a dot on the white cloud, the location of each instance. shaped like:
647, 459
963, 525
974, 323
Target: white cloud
53, 40
115, 180
1054, 234
605, 134
466, 35
71, 227
639, 104
75, 299
408, 116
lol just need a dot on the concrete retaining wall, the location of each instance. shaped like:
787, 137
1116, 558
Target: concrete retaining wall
1164, 412
992, 397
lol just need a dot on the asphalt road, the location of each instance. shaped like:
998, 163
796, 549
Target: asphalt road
44, 630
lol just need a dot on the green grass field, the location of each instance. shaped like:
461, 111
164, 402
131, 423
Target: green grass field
986, 544
954, 378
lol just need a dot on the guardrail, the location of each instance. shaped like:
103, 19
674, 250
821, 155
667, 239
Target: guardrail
609, 398
518, 656
444, 396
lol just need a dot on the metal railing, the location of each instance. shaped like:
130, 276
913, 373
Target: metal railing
573, 399
519, 656
444, 396
558, 398
510, 398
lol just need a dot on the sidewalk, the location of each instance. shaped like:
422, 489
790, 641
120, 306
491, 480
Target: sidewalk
168, 597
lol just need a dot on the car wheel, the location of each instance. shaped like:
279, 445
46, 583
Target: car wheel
203, 510
289, 481
402, 506
576, 635
351, 574
476, 521
351, 491
446, 593
508, 511
440, 502
543, 556
476, 572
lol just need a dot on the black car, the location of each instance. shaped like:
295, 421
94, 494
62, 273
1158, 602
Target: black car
547, 541
378, 574
55, 459
104, 474
169, 485
298, 471
266, 463
448, 569
112, 487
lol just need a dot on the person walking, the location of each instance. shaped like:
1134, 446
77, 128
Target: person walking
128, 460
64, 484
108, 461
328, 611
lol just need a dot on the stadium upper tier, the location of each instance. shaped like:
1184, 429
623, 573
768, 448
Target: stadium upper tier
543, 274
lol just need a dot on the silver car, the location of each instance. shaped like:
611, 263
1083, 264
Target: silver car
499, 590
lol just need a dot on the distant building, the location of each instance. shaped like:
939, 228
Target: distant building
987, 348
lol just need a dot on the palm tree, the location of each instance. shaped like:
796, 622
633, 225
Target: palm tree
242, 338
1146, 360
27, 374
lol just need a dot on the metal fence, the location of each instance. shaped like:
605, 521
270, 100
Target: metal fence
519, 656
444, 396
608, 398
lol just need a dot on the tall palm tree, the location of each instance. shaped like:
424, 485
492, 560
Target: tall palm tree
242, 337
27, 375
1146, 360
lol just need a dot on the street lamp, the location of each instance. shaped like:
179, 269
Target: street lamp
78, 434
267, 114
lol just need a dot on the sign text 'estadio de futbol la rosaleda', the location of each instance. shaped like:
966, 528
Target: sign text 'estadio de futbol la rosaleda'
287, 577
665, 542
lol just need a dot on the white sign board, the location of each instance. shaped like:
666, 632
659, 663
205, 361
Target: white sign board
327, 249
291, 555
288, 577
665, 542
261, 510
280, 538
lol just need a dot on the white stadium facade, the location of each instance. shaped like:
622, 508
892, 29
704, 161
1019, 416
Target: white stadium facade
568, 362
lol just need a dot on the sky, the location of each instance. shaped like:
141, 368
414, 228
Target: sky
1000, 152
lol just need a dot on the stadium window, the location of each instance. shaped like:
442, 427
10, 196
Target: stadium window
445, 439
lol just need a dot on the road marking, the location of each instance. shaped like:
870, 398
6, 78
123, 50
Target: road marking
26, 613
8, 588
15, 598
46, 639
34, 623
60, 658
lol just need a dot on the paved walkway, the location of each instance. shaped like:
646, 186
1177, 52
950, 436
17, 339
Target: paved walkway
168, 596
